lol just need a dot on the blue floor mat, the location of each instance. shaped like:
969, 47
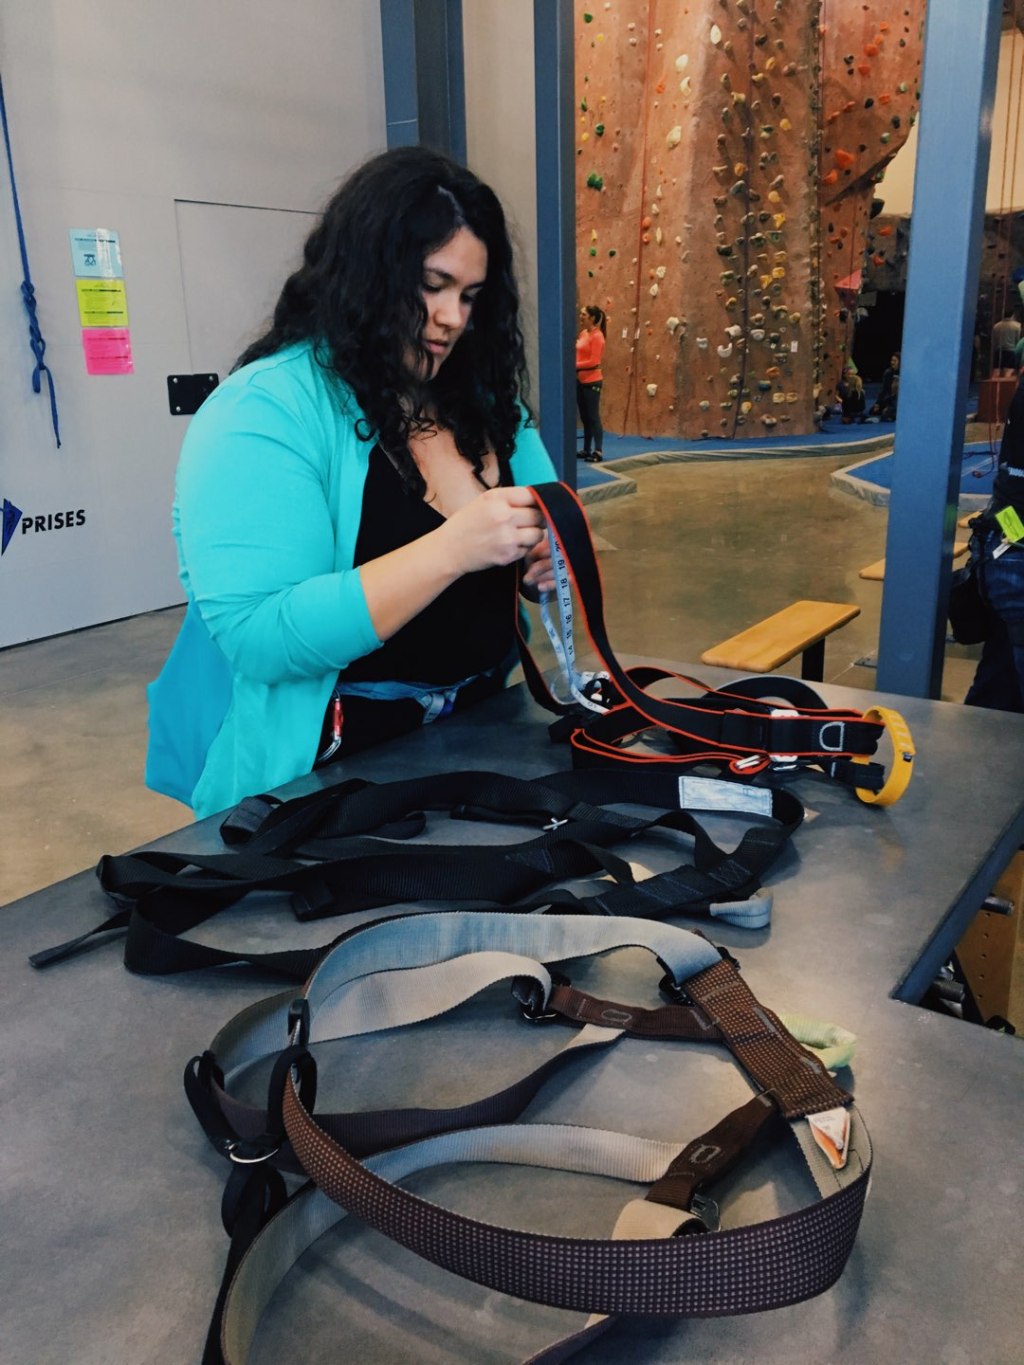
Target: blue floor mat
976, 471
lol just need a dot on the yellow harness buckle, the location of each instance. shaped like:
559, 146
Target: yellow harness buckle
902, 768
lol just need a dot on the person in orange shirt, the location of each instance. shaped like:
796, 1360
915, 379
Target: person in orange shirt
589, 351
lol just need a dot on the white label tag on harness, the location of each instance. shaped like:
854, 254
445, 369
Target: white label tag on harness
560, 633
831, 1131
708, 793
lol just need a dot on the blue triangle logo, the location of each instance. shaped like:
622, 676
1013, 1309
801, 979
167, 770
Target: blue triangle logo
12, 515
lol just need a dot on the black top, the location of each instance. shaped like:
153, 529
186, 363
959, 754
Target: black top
469, 628
1008, 487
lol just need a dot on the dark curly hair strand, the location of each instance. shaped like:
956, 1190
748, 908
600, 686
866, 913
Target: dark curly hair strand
357, 297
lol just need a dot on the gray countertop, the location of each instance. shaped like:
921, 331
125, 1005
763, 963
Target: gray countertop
110, 1231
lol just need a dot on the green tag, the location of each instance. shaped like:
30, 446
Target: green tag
1010, 524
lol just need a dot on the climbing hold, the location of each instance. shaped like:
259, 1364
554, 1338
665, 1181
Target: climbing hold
885, 231
871, 50
672, 323
704, 405
886, 137
599, 130
612, 251
738, 168
675, 136
831, 177
645, 222
864, 69
654, 290
844, 160
682, 62
702, 343
757, 334
660, 272
652, 389
587, 18
794, 318
715, 35
595, 181
778, 219
724, 352
734, 331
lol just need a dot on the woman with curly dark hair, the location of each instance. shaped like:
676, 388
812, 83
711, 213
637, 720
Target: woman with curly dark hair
349, 503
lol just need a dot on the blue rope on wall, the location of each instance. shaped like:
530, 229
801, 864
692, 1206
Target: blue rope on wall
28, 293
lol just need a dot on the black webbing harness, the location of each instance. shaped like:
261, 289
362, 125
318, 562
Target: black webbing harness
764, 727
352, 847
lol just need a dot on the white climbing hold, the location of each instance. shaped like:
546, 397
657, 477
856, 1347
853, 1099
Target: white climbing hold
672, 323
652, 389
660, 272
675, 136
682, 61
715, 35
658, 235
734, 331
686, 87
654, 290
702, 343
724, 352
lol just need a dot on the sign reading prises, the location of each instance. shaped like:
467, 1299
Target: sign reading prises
32, 523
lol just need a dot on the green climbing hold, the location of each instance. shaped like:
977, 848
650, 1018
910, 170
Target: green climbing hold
599, 130
595, 181
587, 18
583, 106
593, 251
611, 251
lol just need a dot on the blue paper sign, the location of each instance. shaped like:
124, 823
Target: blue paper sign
96, 254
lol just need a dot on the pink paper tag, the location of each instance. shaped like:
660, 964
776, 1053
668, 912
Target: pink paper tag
108, 350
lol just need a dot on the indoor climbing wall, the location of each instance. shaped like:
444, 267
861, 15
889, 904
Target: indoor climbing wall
870, 86
701, 166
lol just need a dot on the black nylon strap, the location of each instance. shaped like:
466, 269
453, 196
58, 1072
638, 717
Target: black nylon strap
714, 720
166, 895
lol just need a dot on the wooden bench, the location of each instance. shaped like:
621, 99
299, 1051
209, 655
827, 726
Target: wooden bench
800, 628
876, 571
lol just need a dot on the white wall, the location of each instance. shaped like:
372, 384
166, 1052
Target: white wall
500, 140
118, 109
1005, 183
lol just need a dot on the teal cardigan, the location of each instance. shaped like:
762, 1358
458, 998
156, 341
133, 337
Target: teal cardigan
266, 513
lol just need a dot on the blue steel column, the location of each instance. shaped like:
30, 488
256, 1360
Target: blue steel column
556, 231
960, 53
424, 74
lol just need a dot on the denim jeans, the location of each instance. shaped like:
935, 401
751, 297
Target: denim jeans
999, 680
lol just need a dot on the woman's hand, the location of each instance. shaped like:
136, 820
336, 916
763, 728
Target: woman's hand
500, 526
539, 575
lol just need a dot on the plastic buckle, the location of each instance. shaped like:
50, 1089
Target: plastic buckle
553, 824
298, 1018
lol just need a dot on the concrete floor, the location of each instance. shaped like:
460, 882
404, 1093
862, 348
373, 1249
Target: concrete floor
700, 551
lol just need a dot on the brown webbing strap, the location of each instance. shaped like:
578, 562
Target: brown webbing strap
797, 1080
712, 1155
666, 1021
740, 1270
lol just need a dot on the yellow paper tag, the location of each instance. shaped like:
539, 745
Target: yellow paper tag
1010, 524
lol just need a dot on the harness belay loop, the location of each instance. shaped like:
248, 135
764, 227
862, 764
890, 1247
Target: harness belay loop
753, 728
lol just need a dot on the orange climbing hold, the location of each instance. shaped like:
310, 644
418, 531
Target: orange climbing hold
885, 231
871, 50
878, 259
660, 87
646, 222
864, 69
844, 160
885, 99
830, 178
